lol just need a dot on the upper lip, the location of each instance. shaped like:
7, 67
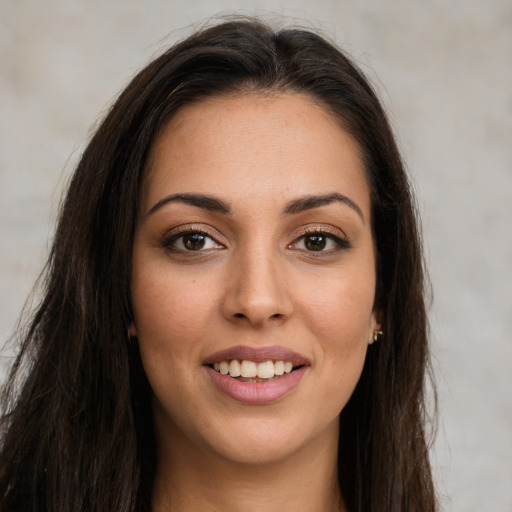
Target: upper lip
257, 354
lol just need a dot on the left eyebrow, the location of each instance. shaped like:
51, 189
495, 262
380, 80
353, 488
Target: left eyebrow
206, 202
309, 202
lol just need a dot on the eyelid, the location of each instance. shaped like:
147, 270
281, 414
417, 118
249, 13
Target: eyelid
179, 231
335, 234
321, 229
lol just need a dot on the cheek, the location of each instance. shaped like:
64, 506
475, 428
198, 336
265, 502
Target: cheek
169, 305
170, 312
339, 313
340, 310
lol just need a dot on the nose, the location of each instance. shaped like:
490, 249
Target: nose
256, 291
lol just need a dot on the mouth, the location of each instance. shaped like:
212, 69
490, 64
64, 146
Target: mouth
256, 375
252, 371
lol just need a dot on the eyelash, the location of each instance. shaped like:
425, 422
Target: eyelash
169, 241
341, 243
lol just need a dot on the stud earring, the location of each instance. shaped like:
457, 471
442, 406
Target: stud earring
132, 334
377, 336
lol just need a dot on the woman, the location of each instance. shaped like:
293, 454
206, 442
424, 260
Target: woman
234, 312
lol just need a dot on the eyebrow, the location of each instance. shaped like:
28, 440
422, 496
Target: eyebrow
310, 202
206, 202
295, 206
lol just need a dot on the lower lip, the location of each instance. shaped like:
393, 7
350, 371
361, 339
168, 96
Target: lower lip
256, 392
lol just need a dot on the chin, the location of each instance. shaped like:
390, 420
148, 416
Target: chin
259, 448
261, 442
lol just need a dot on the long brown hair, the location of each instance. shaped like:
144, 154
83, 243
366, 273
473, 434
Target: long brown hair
76, 428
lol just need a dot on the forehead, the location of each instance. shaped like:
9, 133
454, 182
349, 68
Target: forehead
251, 146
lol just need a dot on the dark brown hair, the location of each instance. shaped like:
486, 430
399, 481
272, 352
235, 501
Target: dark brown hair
76, 427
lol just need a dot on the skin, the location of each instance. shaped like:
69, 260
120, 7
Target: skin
256, 282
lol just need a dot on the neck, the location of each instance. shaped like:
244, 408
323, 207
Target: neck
189, 479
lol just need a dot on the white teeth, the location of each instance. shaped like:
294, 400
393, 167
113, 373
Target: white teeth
250, 369
279, 368
234, 368
266, 370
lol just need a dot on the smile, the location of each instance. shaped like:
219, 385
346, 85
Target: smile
256, 375
247, 369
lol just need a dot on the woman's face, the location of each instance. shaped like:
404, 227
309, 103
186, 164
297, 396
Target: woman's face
253, 253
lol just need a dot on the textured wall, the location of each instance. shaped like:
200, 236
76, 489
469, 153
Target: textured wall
447, 75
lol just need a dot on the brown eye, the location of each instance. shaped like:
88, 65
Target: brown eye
321, 242
315, 242
190, 241
194, 241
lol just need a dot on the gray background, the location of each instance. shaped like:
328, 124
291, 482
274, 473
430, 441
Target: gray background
443, 69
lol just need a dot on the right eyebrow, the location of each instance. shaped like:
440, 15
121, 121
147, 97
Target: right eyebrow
310, 202
204, 201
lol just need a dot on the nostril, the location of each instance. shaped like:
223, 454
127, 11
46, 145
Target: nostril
241, 315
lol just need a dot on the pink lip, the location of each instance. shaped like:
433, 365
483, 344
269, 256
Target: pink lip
263, 392
258, 355
256, 392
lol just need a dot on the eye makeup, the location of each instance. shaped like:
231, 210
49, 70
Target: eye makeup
190, 239
320, 240
193, 240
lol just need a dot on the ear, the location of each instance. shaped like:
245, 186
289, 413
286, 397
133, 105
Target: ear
132, 332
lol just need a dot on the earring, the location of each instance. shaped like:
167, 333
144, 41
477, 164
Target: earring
377, 336
132, 334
